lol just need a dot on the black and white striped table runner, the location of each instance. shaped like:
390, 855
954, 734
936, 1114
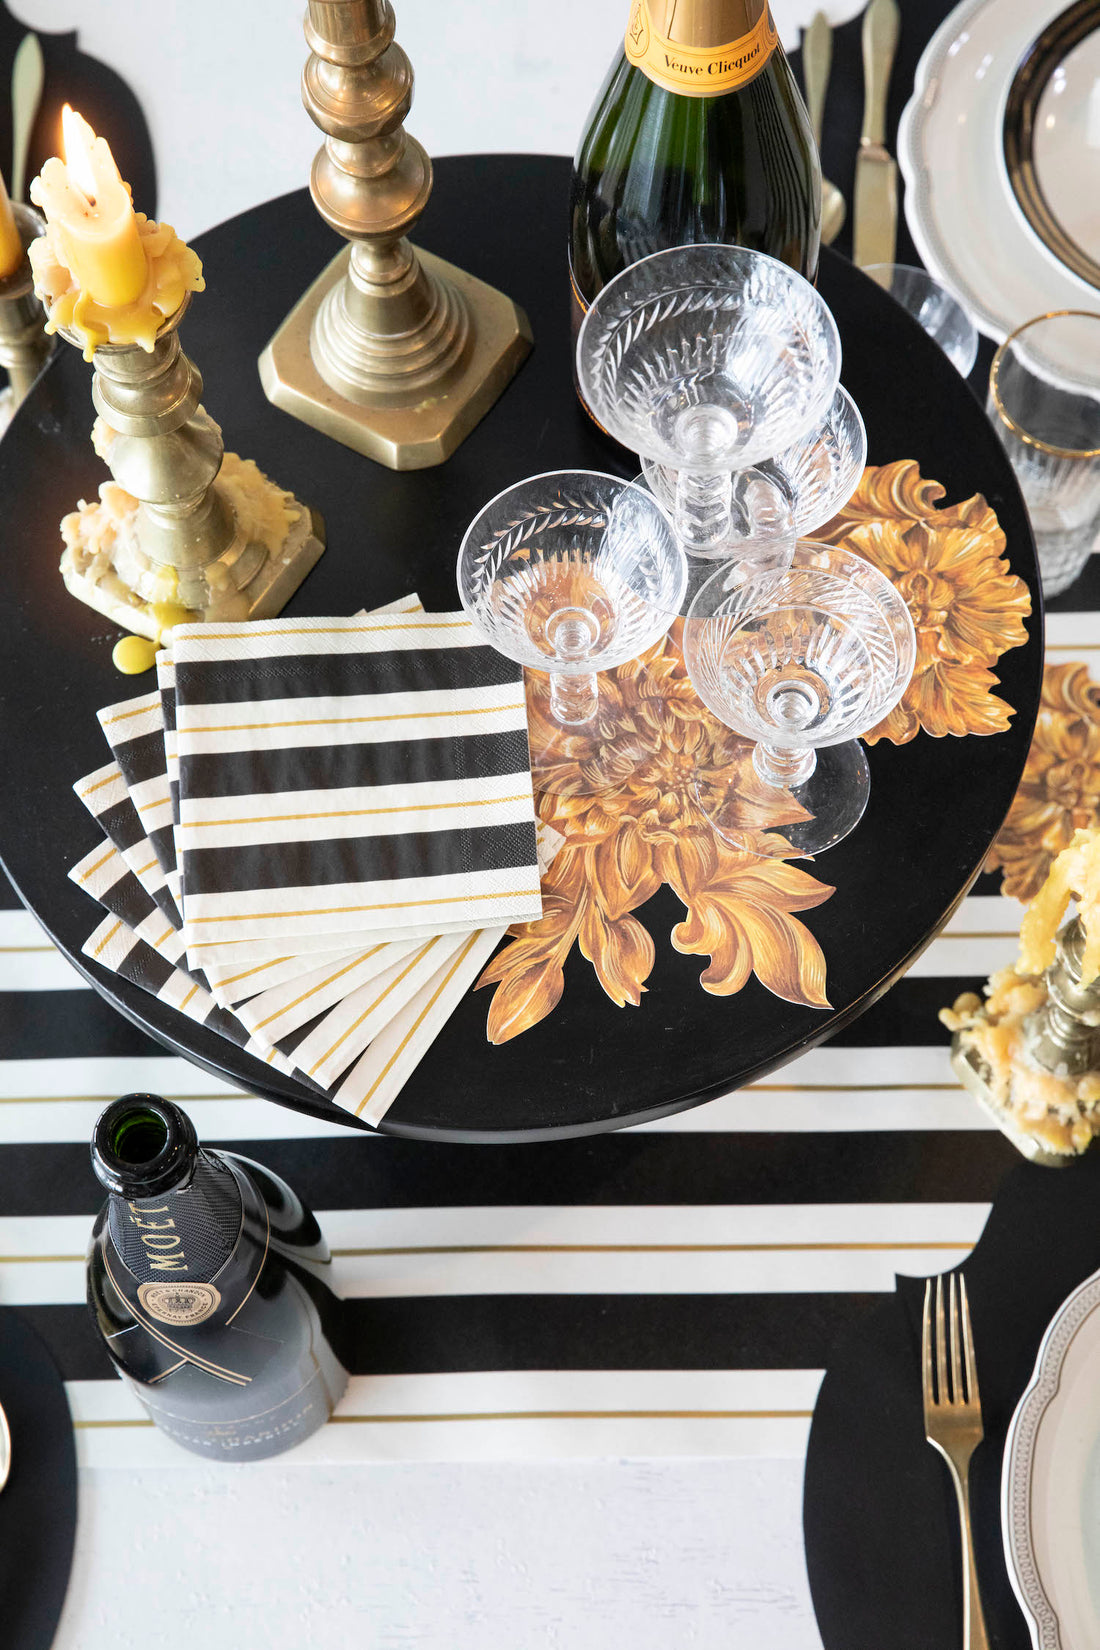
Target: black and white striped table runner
671, 1289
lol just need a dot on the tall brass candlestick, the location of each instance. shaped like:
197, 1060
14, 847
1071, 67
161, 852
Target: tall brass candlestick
24, 345
198, 533
392, 351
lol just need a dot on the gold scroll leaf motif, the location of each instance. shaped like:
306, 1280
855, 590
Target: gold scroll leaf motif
651, 740
653, 737
1060, 790
967, 607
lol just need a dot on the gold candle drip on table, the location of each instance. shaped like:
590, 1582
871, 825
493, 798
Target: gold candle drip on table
186, 531
392, 351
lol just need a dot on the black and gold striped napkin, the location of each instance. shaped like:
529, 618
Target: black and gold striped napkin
349, 781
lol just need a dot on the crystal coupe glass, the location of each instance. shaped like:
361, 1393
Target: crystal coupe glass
789, 495
571, 572
802, 662
708, 359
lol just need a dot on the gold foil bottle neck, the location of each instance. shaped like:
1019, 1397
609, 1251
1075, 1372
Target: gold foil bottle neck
705, 22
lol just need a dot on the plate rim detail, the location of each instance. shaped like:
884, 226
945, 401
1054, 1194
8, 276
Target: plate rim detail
922, 220
1016, 1472
1060, 36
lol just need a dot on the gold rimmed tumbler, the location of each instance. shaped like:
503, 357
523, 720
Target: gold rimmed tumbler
1044, 401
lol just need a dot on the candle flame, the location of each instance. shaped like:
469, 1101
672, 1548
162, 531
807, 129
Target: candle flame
76, 142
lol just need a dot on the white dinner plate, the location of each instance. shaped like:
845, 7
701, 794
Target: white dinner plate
1050, 1482
968, 227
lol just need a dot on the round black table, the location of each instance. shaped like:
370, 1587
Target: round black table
935, 804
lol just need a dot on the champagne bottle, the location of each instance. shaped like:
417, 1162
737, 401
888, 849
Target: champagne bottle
206, 1277
698, 134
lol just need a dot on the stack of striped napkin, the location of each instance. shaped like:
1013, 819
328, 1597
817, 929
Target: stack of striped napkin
318, 830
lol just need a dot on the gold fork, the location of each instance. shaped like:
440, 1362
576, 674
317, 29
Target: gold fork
953, 1424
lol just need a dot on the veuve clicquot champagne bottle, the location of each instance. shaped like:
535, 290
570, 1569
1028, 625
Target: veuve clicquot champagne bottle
206, 1278
698, 134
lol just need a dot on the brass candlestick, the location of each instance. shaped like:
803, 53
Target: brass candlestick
24, 345
196, 533
1061, 1038
392, 351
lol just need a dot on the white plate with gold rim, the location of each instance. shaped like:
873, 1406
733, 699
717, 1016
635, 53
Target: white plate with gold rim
1052, 138
1050, 1481
967, 225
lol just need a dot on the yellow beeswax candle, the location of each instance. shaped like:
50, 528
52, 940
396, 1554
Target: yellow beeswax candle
89, 208
11, 245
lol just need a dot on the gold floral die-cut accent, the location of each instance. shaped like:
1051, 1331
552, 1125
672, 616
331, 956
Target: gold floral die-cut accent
967, 608
1060, 790
652, 742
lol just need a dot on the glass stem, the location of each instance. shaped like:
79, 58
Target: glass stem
573, 699
703, 506
783, 765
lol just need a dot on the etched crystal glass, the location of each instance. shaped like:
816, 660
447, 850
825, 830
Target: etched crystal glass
942, 316
802, 663
708, 359
571, 573
786, 496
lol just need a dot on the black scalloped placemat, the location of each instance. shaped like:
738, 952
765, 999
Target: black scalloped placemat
882, 1547
38, 1504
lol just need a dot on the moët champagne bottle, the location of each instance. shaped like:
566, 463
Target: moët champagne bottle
698, 134
206, 1277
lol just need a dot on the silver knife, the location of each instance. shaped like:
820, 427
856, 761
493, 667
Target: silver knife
875, 204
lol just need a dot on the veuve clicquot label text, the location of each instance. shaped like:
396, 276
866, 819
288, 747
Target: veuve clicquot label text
700, 48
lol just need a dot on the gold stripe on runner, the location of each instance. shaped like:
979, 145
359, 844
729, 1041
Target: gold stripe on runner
586, 1415
105, 1099
883, 1248
532, 1415
853, 1088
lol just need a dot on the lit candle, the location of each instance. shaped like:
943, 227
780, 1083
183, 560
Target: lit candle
11, 245
88, 206
105, 272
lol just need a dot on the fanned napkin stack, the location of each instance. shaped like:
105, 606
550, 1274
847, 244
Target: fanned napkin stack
318, 832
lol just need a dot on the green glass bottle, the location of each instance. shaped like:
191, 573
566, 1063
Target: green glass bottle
698, 134
207, 1277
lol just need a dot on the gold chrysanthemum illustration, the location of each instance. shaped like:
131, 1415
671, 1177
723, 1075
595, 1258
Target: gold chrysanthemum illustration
1060, 790
967, 607
651, 740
